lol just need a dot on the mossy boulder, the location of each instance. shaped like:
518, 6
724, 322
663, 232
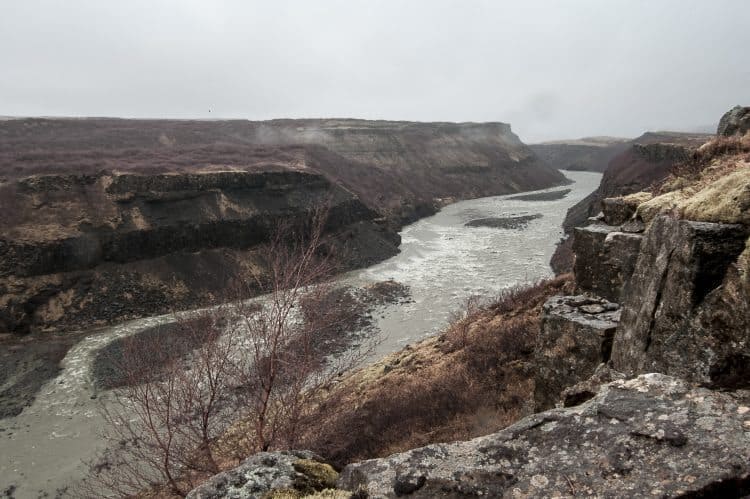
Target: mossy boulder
314, 476
274, 475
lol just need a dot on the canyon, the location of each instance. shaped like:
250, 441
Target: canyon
636, 364
116, 219
628, 374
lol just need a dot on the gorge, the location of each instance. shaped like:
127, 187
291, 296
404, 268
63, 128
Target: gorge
636, 348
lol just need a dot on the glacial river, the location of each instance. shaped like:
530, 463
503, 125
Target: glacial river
43, 449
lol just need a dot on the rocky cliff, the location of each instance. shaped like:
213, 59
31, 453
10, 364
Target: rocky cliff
402, 169
86, 249
641, 377
639, 164
675, 264
113, 219
591, 154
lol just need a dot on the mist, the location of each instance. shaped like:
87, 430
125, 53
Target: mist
551, 69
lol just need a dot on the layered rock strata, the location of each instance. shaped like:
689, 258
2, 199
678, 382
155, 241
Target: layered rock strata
605, 259
685, 306
91, 249
575, 337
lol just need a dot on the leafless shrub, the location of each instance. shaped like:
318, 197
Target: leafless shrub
252, 383
474, 379
298, 337
461, 320
161, 423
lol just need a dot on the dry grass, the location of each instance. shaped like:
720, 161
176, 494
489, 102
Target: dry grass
473, 379
707, 164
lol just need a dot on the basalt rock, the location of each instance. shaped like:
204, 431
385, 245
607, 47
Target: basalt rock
574, 338
83, 250
736, 120
617, 210
649, 436
685, 308
605, 258
286, 473
588, 388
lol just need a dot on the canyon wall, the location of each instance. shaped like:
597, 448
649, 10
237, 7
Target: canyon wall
639, 163
591, 154
88, 249
641, 377
110, 219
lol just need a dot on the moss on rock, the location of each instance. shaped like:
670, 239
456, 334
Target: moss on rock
315, 476
726, 200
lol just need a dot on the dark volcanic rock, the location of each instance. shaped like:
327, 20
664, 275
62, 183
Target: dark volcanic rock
651, 436
520, 222
617, 211
646, 160
574, 338
605, 258
736, 120
685, 309
588, 388
154, 243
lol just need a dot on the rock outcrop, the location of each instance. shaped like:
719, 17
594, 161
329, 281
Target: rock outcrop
605, 259
86, 249
675, 316
269, 475
575, 337
650, 436
734, 121
646, 159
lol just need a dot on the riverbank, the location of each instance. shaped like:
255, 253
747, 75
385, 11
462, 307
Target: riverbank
441, 261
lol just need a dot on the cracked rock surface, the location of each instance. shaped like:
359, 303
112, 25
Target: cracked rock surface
294, 472
651, 436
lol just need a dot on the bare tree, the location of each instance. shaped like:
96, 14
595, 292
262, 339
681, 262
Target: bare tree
255, 373
299, 338
162, 421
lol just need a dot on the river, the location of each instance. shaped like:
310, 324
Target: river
43, 449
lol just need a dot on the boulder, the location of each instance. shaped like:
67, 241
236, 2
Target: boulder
287, 474
736, 120
574, 338
617, 211
605, 258
685, 306
588, 388
650, 436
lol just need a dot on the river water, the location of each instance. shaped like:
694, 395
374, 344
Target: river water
43, 449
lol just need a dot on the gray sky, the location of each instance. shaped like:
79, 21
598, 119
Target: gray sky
553, 69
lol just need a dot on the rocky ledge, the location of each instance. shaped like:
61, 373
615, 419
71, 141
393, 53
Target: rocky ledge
273, 475
575, 337
649, 436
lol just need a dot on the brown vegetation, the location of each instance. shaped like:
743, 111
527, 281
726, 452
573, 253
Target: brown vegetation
694, 172
260, 363
473, 379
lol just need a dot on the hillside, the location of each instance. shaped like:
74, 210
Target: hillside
630, 376
587, 154
112, 219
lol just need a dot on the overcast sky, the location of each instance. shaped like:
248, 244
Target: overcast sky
553, 69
